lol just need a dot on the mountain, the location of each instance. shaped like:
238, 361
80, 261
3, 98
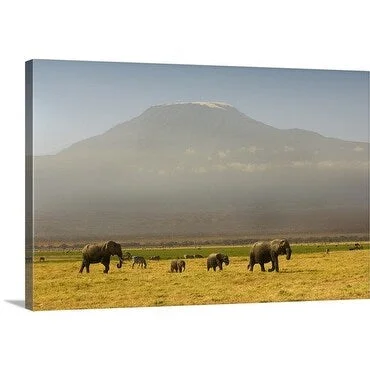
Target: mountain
201, 168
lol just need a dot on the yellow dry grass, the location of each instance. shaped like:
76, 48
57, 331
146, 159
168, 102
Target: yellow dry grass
313, 276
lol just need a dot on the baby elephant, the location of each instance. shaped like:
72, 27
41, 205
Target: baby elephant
177, 265
216, 260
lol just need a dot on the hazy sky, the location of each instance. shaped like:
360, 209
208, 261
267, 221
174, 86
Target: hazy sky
75, 100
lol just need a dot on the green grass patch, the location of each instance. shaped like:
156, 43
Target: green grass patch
171, 253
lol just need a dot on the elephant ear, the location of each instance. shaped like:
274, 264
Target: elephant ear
283, 245
219, 256
109, 246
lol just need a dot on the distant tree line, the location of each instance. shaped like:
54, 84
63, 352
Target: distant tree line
196, 243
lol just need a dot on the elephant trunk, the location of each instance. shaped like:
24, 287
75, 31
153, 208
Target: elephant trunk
119, 264
288, 253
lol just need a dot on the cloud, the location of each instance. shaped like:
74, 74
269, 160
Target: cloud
219, 167
248, 167
254, 149
199, 170
358, 149
178, 168
342, 164
190, 151
223, 153
301, 164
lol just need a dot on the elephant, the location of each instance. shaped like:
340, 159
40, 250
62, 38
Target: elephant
187, 256
356, 247
177, 265
97, 253
263, 252
42, 259
140, 261
155, 258
217, 259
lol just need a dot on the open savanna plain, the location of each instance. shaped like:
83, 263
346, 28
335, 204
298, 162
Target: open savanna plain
311, 274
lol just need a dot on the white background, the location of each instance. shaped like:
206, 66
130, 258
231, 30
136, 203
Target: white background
310, 34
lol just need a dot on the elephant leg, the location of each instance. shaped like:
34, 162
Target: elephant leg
105, 262
106, 265
274, 267
133, 264
82, 266
252, 262
214, 268
262, 267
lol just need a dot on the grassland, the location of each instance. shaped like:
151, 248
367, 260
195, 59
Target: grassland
311, 274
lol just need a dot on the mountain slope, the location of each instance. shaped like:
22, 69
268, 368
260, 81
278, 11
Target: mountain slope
202, 168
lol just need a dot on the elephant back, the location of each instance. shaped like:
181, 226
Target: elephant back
91, 249
174, 265
212, 258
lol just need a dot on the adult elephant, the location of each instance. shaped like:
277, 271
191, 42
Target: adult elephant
177, 265
216, 260
264, 252
97, 253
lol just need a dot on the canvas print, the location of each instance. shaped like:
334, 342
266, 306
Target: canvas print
166, 185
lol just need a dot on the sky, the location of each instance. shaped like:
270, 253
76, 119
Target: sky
74, 100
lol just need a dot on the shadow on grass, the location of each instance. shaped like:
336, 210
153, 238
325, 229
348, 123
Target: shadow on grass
297, 271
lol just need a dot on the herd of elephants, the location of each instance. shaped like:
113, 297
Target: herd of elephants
261, 253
